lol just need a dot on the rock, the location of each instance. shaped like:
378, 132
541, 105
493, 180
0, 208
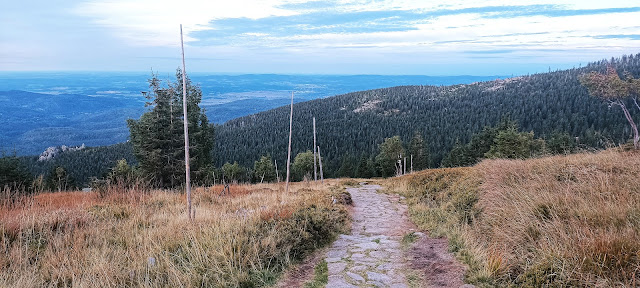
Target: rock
378, 277
338, 281
336, 267
355, 277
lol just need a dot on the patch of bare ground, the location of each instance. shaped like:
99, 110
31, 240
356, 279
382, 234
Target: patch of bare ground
437, 266
301, 273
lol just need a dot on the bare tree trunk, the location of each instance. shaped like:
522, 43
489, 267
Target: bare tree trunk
187, 169
290, 135
634, 128
411, 163
320, 161
404, 166
315, 168
275, 162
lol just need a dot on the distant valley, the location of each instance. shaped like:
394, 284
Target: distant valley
45, 109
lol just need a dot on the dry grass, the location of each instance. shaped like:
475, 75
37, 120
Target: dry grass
244, 239
556, 221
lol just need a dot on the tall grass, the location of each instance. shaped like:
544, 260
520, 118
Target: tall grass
556, 221
244, 239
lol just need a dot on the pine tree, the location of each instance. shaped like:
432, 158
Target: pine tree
158, 137
14, 175
347, 168
419, 152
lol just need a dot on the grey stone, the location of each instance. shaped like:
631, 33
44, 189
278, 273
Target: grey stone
359, 268
331, 260
335, 268
379, 254
370, 245
338, 281
385, 267
336, 253
355, 277
378, 277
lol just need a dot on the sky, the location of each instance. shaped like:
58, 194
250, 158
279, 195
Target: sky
402, 37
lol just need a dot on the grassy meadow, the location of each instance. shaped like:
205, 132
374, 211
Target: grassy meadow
244, 239
560, 221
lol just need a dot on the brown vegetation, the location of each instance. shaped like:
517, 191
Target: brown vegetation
243, 239
556, 221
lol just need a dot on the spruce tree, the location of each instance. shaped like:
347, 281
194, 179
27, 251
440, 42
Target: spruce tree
418, 150
158, 137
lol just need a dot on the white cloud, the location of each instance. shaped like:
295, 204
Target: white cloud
149, 22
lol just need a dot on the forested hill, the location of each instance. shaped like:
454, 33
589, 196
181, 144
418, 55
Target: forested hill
355, 124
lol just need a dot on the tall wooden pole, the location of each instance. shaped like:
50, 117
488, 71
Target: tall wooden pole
315, 168
404, 166
320, 160
290, 135
187, 169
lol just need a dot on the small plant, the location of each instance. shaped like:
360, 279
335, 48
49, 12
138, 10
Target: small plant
409, 239
321, 276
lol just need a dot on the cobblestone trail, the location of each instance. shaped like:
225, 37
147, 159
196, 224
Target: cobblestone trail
372, 255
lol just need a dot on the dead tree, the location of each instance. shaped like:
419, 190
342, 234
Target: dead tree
315, 168
320, 161
289, 151
187, 169
411, 163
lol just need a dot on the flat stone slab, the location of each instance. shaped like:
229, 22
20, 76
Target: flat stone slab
336, 267
371, 254
338, 281
355, 277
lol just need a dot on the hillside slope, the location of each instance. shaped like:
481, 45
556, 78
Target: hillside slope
356, 123
562, 221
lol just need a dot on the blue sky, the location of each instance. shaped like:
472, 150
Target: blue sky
452, 37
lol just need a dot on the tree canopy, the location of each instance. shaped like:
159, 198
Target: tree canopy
158, 137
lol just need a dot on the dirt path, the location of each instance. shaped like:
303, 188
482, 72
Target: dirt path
372, 256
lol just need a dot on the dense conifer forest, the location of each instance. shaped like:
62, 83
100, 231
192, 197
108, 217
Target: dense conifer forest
355, 124
351, 127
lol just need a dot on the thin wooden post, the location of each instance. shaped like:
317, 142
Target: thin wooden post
187, 169
315, 168
404, 166
290, 135
277, 175
411, 163
320, 161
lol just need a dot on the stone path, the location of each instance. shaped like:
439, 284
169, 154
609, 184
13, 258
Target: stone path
372, 255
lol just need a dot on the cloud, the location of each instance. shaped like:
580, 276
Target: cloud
268, 35
147, 22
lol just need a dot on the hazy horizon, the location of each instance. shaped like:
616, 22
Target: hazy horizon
311, 37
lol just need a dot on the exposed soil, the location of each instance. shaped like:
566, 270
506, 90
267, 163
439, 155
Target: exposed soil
303, 272
438, 267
